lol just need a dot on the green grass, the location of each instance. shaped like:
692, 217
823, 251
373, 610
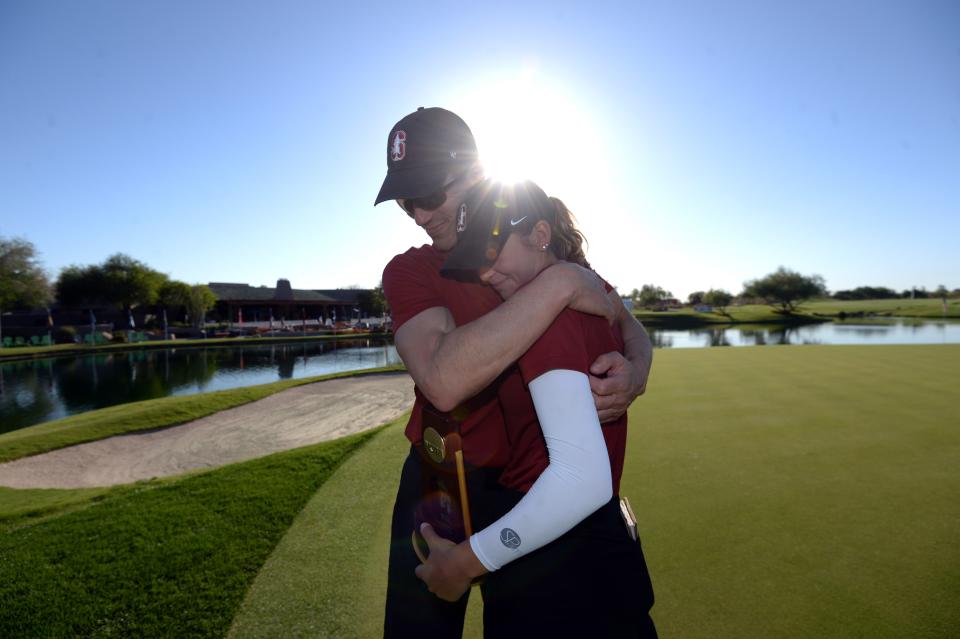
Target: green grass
21, 506
748, 314
812, 311
169, 558
800, 491
782, 492
145, 415
921, 308
21, 352
327, 577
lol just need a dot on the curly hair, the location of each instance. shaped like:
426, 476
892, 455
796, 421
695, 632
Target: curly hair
567, 241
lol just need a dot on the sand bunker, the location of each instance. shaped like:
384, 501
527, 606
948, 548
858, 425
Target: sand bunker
289, 419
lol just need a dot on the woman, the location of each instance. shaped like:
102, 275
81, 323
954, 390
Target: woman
561, 561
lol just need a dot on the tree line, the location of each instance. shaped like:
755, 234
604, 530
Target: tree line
126, 283
119, 281
783, 289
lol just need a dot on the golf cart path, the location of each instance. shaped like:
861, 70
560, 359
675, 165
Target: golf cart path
289, 419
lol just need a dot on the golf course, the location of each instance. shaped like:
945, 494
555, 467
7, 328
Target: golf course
795, 491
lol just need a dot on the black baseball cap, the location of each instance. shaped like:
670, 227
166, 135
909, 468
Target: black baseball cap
424, 151
492, 211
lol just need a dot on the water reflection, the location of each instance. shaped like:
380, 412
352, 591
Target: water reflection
909, 332
36, 391
717, 337
865, 331
24, 391
660, 339
759, 338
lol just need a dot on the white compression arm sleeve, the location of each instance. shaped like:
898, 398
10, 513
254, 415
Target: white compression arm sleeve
576, 482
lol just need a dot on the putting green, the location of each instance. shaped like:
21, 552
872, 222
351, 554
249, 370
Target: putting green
801, 491
782, 492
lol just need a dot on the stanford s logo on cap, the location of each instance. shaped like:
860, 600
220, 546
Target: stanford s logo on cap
424, 149
399, 147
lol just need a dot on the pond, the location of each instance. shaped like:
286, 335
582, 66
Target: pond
37, 391
32, 392
889, 332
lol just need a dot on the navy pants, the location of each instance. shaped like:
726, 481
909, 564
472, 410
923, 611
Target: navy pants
592, 581
411, 609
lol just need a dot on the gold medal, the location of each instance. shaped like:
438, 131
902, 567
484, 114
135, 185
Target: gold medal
434, 445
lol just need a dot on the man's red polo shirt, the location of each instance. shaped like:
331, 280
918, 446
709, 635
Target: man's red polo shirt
412, 284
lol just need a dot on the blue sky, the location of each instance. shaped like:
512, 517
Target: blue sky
700, 144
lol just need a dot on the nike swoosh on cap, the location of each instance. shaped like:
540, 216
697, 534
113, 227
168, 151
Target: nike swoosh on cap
515, 222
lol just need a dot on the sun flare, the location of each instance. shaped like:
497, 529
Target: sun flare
527, 129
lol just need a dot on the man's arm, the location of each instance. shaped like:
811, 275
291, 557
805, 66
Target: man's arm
451, 363
615, 379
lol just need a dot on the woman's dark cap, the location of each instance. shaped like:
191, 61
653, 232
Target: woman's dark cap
492, 211
424, 151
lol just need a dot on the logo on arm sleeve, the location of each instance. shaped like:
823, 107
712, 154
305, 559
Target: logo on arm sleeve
509, 538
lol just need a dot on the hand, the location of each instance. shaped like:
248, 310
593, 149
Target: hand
615, 383
587, 292
449, 569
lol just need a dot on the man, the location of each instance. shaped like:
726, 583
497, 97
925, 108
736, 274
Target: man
458, 339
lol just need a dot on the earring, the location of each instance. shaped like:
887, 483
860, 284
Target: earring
544, 246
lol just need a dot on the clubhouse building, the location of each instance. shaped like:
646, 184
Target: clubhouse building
283, 303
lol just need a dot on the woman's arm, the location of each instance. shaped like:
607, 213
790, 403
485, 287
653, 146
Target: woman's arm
451, 363
575, 483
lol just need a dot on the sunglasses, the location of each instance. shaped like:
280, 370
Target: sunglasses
430, 202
